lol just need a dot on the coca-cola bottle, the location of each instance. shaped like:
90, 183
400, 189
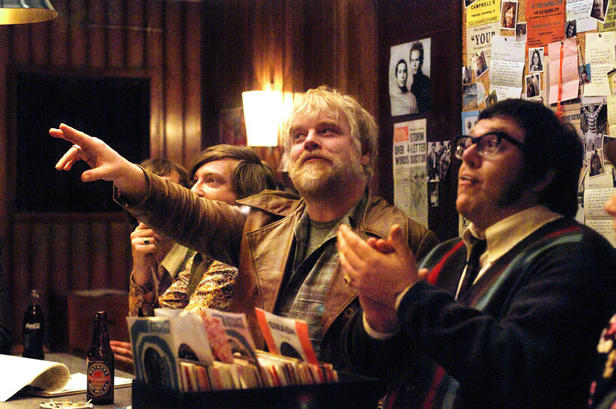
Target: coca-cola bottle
100, 372
34, 328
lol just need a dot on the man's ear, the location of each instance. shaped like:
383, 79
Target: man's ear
365, 159
541, 184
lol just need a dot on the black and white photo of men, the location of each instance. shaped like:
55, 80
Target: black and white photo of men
438, 159
402, 100
419, 57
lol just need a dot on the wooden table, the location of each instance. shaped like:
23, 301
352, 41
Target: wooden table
122, 396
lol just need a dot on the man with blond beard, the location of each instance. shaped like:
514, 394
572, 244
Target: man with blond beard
284, 245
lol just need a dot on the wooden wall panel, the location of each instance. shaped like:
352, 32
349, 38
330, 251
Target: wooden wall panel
97, 36
78, 41
20, 44
60, 263
117, 31
59, 38
135, 36
173, 87
40, 43
99, 256
119, 262
192, 81
160, 37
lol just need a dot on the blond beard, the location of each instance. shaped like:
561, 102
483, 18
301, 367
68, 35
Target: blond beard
324, 180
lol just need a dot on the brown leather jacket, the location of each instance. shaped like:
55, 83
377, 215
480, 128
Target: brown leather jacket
259, 242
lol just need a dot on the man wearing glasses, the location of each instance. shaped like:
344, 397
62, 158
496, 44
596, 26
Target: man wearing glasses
521, 332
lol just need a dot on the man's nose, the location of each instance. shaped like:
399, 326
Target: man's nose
312, 139
471, 155
196, 188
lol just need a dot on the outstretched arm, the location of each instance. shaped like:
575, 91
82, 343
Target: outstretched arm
106, 163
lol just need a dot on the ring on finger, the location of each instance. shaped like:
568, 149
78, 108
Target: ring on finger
347, 279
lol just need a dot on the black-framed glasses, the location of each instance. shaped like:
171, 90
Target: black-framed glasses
488, 144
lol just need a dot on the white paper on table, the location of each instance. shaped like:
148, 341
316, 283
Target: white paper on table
600, 55
570, 75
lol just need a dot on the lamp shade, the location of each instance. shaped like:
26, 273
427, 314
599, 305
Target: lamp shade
26, 11
262, 115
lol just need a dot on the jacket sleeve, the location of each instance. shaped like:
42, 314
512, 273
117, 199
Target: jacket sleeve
208, 226
421, 239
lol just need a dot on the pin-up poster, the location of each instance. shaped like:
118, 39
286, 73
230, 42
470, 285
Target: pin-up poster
482, 12
545, 22
409, 168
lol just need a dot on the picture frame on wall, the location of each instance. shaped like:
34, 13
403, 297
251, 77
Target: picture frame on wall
232, 128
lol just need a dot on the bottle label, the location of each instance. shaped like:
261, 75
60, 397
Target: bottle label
99, 378
33, 325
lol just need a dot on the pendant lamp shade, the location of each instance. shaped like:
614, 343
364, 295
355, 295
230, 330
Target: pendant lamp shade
26, 11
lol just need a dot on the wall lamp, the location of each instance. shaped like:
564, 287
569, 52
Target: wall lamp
263, 112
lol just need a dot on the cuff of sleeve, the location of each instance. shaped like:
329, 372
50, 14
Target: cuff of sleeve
401, 295
120, 199
140, 290
381, 336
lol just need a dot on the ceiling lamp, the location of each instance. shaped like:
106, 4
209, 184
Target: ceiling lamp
26, 11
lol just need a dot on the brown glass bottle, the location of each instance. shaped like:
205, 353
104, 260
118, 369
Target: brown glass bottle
100, 372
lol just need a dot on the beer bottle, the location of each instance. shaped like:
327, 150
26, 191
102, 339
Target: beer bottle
100, 372
33, 328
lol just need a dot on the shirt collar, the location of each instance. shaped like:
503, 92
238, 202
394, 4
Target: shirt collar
505, 234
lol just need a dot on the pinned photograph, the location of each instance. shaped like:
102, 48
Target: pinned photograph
598, 11
469, 96
509, 15
533, 86
535, 59
520, 32
409, 79
467, 76
584, 74
595, 162
479, 64
571, 28
491, 99
611, 76
593, 123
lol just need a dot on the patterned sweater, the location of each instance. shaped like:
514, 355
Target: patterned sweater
522, 337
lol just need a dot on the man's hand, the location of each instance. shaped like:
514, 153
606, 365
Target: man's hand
375, 274
106, 163
122, 352
145, 242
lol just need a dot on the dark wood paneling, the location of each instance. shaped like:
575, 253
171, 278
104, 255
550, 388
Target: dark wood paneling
78, 21
116, 33
59, 37
62, 253
97, 35
173, 84
135, 36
